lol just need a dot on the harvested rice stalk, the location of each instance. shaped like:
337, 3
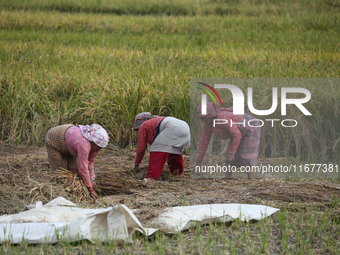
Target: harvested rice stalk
72, 183
109, 182
112, 182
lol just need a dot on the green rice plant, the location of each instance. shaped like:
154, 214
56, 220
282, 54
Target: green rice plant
188, 7
59, 67
302, 230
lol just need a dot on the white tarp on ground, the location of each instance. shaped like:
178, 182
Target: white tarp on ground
60, 220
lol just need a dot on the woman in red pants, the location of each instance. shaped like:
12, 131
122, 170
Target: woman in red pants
168, 138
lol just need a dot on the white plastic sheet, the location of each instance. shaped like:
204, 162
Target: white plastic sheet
60, 219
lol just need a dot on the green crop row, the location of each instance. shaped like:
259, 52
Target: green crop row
60, 68
176, 7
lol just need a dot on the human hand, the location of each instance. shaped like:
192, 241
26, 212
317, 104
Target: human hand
196, 170
230, 157
197, 166
135, 170
92, 192
93, 182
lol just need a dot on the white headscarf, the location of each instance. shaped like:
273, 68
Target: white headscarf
95, 133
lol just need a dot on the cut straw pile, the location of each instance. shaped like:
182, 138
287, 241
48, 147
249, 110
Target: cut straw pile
107, 182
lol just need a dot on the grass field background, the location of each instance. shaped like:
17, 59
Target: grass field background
79, 62
177, 7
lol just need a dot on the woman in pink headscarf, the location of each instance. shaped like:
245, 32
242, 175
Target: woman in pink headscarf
75, 148
244, 140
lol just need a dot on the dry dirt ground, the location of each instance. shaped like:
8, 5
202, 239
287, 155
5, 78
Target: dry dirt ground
25, 178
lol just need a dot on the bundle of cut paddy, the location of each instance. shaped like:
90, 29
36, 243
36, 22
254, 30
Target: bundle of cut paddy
113, 182
108, 182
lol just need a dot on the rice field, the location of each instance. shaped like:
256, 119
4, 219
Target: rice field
84, 67
104, 61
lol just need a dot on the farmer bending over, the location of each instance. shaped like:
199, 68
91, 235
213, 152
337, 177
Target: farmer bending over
243, 148
67, 142
167, 136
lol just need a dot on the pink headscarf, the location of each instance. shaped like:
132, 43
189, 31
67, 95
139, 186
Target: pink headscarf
95, 133
212, 110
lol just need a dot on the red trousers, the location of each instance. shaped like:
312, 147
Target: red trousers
157, 161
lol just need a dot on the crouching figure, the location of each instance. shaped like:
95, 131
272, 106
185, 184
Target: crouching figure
168, 138
75, 148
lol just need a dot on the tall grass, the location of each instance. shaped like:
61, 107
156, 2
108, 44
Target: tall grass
177, 7
82, 68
